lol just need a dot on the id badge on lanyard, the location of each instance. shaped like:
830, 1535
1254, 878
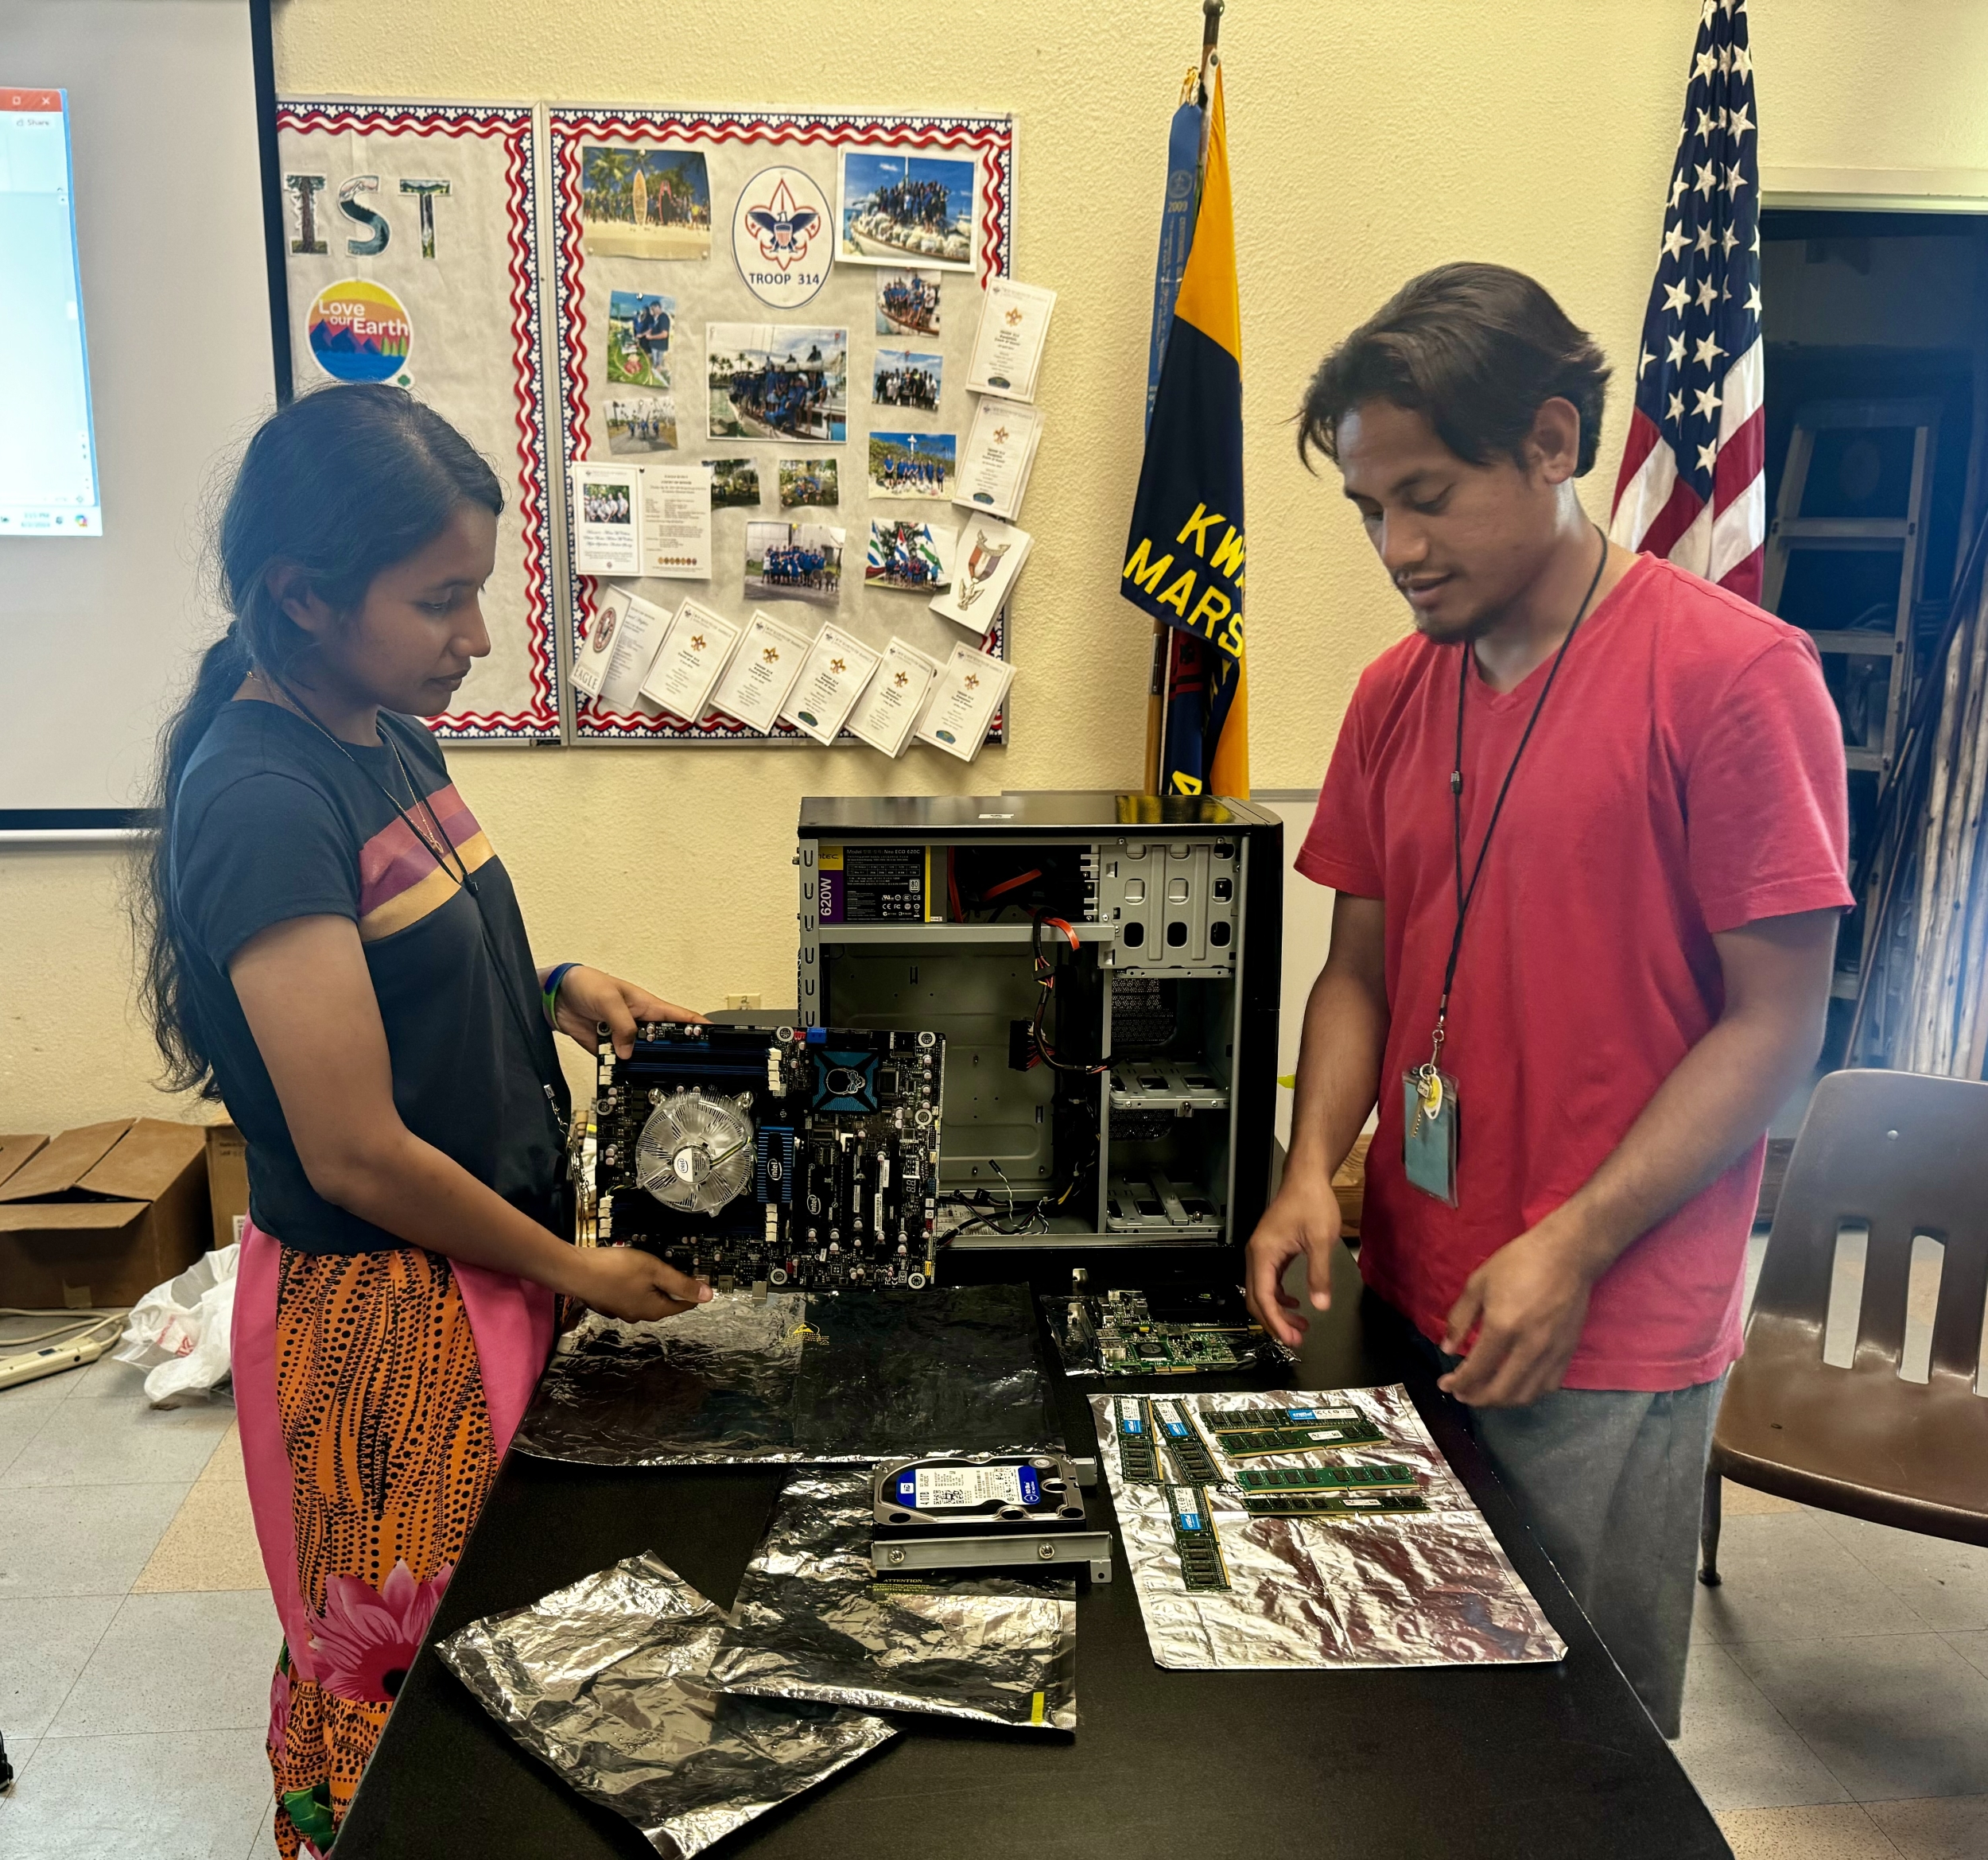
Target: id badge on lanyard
1429, 1131
1429, 1109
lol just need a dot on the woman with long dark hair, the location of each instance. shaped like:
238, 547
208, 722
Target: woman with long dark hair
334, 948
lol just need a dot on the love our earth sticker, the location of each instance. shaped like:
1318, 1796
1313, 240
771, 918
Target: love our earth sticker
359, 331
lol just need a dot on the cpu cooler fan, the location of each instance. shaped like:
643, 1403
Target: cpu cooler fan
696, 1152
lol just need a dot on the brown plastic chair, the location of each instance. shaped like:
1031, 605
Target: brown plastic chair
1905, 1154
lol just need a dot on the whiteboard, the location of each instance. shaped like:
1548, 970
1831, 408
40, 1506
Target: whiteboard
99, 633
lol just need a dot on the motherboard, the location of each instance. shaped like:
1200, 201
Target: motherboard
762, 1158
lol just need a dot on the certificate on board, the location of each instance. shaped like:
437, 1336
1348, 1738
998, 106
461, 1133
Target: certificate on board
761, 671
676, 522
988, 556
964, 696
886, 712
606, 514
838, 666
631, 654
1008, 352
1001, 453
596, 650
696, 646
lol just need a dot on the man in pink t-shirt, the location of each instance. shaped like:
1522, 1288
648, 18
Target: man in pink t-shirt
1587, 830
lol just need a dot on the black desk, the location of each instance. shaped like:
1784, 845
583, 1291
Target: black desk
1528, 1762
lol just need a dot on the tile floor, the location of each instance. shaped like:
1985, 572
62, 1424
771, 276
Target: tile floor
135, 1632
1837, 1706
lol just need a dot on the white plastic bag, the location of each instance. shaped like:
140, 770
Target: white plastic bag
179, 1331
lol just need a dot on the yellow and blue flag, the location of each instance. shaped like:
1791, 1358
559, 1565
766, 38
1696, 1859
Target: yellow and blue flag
1184, 554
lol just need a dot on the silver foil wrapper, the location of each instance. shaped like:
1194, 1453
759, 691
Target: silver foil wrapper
846, 1378
608, 1682
811, 1621
1429, 1588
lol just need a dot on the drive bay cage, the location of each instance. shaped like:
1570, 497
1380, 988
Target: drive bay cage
1104, 970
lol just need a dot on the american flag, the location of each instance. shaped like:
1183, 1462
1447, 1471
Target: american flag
1690, 487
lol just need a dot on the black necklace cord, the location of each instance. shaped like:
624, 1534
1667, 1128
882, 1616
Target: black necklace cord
1504, 788
459, 873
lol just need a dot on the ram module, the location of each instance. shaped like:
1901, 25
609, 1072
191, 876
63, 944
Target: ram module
1303, 1504
1353, 1427
1202, 1563
1259, 1441
1186, 1452
1327, 1479
1137, 1462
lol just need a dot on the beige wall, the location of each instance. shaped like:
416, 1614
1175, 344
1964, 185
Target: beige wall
1368, 143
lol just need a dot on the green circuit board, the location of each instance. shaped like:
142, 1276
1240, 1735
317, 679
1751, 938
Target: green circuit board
1173, 1350
1295, 1505
1133, 1427
1259, 1441
1187, 1453
1327, 1479
1202, 1565
1353, 1427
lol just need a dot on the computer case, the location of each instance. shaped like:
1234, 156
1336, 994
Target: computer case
1126, 1110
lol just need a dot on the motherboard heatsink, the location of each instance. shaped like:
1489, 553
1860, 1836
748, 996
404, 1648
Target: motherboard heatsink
762, 1158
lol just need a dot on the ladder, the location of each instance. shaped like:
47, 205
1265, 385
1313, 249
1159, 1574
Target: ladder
1868, 498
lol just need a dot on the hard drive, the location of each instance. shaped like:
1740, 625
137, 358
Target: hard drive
1008, 1510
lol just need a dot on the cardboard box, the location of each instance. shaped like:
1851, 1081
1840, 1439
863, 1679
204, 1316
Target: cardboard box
226, 1182
14, 1151
102, 1214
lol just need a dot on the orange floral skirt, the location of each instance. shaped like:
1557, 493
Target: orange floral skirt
387, 1452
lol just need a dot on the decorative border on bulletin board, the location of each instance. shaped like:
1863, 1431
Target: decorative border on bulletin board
513, 124
993, 140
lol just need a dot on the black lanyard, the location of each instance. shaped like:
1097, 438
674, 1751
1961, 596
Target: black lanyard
459, 873
1456, 792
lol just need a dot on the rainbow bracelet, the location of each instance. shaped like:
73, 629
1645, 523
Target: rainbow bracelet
549, 994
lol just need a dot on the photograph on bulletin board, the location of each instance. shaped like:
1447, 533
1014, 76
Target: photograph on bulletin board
411, 257
790, 302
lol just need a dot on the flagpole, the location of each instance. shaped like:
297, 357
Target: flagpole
1164, 636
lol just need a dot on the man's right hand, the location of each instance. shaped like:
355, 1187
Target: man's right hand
1304, 1219
625, 1282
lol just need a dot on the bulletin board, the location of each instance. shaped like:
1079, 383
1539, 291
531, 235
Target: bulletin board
666, 204
413, 256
